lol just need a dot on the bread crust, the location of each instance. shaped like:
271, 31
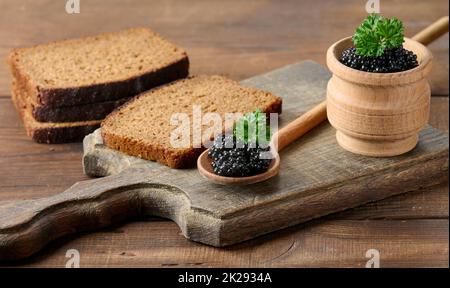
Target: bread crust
51, 133
84, 112
62, 97
114, 90
60, 135
152, 152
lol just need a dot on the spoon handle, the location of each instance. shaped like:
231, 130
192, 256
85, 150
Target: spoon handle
432, 32
300, 126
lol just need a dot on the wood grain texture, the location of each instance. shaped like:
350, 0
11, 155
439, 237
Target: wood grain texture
256, 37
332, 243
234, 38
315, 180
432, 32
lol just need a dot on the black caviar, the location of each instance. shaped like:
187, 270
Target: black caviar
234, 158
393, 60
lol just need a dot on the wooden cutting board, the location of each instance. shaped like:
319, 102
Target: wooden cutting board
317, 178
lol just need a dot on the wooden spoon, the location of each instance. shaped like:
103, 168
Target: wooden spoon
281, 139
301, 125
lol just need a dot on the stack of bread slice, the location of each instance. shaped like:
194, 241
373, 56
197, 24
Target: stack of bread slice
63, 90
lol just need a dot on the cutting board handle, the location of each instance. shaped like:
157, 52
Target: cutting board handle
27, 226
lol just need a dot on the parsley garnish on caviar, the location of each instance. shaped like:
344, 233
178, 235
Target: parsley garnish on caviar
378, 47
240, 153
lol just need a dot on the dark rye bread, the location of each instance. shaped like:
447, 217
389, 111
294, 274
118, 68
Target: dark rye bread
84, 112
97, 69
141, 127
50, 133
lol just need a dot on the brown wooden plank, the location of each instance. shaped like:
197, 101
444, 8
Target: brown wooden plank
439, 113
336, 243
428, 203
22, 161
254, 38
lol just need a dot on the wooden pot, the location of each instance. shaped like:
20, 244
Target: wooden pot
378, 114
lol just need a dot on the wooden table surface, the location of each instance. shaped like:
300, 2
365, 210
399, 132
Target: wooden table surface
238, 39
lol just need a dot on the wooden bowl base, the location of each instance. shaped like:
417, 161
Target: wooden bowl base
377, 148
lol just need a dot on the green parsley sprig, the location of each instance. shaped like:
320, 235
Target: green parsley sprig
376, 34
250, 126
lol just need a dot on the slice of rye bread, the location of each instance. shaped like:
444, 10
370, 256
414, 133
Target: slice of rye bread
98, 69
84, 112
142, 126
50, 133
